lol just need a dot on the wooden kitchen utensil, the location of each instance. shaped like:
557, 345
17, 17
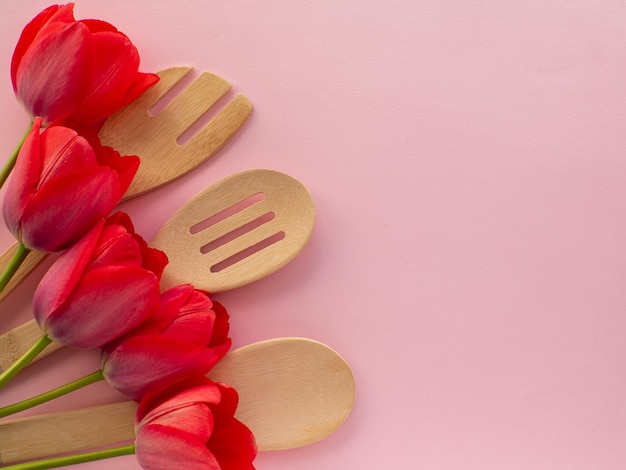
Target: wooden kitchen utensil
236, 231
134, 131
292, 392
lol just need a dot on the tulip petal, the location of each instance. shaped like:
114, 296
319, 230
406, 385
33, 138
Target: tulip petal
233, 444
194, 322
52, 13
172, 423
171, 302
141, 83
157, 403
126, 167
163, 448
64, 152
153, 260
41, 70
123, 219
117, 247
221, 326
23, 181
168, 309
195, 418
228, 403
112, 72
96, 26
72, 204
105, 304
61, 278
144, 363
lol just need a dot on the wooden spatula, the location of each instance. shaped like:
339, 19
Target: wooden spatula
236, 231
134, 131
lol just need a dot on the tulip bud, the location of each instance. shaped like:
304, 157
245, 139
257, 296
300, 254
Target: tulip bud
192, 425
186, 338
61, 187
101, 288
81, 70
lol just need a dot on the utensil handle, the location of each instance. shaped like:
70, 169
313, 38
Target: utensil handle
17, 341
40, 436
31, 262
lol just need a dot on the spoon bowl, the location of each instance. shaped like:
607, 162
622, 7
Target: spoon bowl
295, 391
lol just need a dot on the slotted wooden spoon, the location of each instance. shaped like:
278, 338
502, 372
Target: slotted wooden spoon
134, 131
224, 218
292, 391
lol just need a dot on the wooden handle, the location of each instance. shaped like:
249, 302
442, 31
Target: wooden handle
31, 262
15, 342
28, 438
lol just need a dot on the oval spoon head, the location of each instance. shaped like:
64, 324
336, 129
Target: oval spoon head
292, 391
236, 231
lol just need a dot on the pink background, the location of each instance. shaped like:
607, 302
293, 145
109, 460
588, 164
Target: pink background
468, 162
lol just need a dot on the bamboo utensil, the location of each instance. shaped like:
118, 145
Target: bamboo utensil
134, 131
236, 231
293, 392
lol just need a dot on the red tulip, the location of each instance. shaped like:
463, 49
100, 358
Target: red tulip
61, 187
191, 426
100, 288
186, 338
81, 70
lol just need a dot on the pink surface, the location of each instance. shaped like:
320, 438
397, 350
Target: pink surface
468, 162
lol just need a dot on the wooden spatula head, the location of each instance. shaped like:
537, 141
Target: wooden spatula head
135, 131
238, 230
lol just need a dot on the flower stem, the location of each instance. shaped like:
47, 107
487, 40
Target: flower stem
51, 395
18, 258
56, 462
8, 166
23, 361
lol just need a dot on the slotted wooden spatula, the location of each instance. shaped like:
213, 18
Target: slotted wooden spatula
236, 231
134, 131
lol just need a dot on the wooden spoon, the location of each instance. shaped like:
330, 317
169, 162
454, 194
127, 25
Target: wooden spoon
293, 392
134, 131
236, 231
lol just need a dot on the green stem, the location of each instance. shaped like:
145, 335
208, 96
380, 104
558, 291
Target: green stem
52, 394
56, 462
23, 361
18, 258
8, 166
